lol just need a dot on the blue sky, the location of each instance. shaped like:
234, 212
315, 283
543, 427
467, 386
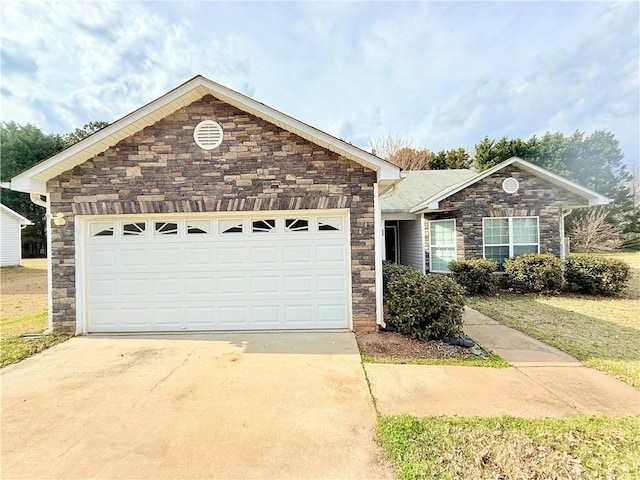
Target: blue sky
443, 73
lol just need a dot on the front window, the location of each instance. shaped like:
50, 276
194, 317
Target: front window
509, 237
442, 244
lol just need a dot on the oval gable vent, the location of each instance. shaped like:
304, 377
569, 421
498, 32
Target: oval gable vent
208, 134
510, 185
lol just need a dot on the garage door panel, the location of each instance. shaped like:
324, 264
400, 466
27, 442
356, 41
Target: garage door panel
331, 255
331, 314
298, 314
266, 317
231, 256
330, 284
299, 255
199, 285
264, 256
232, 317
261, 285
277, 279
167, 318
298, 284
132, 256
167, 287
232, 286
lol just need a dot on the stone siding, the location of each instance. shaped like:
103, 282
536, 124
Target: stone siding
258, 167
536, 197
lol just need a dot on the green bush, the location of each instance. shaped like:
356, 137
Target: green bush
476, 275
534, 272
596, 275
422, 306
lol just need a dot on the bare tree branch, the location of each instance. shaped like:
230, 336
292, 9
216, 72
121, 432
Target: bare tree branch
592, 233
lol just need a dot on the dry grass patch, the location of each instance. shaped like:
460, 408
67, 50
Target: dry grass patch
23, 312
23, 289
510, 448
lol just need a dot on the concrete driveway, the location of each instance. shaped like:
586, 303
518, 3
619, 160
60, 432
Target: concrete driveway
273, 405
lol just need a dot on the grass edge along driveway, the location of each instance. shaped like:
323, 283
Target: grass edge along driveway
22, 337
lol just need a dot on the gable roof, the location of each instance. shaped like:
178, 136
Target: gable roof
417, 185
34, 180
7, 211
591, 198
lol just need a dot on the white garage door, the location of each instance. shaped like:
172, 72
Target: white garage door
239, 272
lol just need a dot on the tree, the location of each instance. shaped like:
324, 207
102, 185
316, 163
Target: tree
490, 153
388, 146
23, 146
592, 233
594, 161
450, 159
412, 159
81, 133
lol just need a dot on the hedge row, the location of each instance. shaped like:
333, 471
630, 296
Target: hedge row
544, 273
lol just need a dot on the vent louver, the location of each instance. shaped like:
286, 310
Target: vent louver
510, 185
208, 134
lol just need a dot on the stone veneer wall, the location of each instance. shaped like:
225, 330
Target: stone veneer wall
258, 167
535, 197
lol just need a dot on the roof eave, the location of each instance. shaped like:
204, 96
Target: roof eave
34, 179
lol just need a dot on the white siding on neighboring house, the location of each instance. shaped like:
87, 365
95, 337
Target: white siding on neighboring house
10, 231
412, 243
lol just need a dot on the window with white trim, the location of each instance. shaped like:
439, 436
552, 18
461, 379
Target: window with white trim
442, 244
508, 237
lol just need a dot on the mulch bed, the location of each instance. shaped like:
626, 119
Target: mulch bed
388, 345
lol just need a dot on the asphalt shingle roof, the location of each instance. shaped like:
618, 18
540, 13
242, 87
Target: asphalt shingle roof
419, 185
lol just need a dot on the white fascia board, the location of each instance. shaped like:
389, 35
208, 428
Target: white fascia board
399, 216
28, 185
34, 179
22, 220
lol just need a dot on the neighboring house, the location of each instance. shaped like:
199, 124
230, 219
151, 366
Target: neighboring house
207, 210
434, 216
11, 225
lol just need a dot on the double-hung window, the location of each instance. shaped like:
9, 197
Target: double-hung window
509, 237
442, 244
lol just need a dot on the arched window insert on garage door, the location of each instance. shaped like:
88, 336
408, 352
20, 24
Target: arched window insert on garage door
166, 228
102, 229
296, 225
134, 229
330, 224
263, 226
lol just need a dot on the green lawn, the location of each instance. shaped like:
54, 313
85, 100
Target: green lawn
15, 346
512, 448
493, 361
601, 332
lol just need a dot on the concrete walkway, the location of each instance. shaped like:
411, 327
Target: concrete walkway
274, 405
544, 383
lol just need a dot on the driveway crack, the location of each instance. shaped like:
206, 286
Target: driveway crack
171, 372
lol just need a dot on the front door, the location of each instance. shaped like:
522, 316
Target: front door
391, 242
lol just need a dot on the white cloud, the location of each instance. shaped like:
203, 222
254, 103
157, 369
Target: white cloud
446, 73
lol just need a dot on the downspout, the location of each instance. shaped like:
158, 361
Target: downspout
37, 199
564, 244
378, 242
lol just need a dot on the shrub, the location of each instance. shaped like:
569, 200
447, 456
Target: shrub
420, 306
596, 275
476, 276
534, 272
